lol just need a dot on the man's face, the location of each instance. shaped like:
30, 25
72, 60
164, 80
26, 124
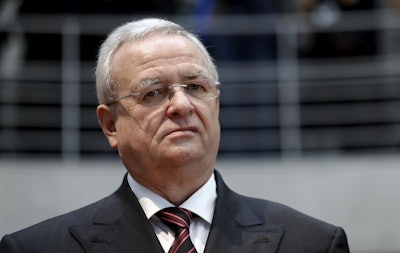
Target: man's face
181, 131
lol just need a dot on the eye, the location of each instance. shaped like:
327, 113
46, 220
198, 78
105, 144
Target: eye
197, 86
153, 93
194, 86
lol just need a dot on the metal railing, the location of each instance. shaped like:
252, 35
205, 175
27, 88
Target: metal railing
288, 105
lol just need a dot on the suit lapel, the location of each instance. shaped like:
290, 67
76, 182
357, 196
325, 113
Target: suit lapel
120, 226
237, 229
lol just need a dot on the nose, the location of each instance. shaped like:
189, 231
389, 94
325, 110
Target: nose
173, 88
179, 104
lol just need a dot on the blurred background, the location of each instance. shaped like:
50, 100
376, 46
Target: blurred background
310, 106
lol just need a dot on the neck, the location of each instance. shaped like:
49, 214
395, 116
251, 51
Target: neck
176, 185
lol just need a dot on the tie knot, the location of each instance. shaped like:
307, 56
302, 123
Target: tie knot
175, 217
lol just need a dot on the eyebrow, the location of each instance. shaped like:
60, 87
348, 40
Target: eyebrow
147, 83
194, 75
143, 84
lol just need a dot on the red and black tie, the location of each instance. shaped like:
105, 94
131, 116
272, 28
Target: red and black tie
178, 219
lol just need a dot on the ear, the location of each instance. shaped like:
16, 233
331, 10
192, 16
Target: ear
107, 118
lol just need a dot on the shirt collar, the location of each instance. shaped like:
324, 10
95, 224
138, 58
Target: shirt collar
202, 202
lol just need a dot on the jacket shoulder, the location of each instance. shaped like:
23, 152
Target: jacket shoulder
301, 231
52, 235
278, 213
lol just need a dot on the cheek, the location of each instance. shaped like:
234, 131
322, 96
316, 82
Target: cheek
126, 132
132, 142
149, 121
215, 123
210, 118
138, 130
214, 112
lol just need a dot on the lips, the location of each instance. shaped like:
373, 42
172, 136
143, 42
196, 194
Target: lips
183, 129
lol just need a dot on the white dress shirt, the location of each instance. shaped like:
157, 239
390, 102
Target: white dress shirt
202, 203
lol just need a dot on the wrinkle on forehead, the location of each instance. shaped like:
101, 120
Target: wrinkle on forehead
158, 57
163, 76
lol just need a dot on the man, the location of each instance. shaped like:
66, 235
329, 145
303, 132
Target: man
159, 107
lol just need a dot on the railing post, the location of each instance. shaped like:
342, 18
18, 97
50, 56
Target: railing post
70, 81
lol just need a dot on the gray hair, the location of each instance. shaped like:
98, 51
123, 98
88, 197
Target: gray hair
131, 31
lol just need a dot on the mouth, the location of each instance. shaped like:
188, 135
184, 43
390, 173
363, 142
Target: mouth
182, 130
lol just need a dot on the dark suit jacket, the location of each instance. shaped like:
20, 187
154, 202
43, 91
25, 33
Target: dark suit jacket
118, 224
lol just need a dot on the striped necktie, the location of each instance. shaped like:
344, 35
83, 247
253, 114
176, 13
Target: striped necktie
178, 219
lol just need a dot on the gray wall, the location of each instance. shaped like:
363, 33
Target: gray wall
359, 193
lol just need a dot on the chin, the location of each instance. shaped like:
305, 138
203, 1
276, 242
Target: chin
182, 155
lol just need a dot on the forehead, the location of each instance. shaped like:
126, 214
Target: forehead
166, 55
